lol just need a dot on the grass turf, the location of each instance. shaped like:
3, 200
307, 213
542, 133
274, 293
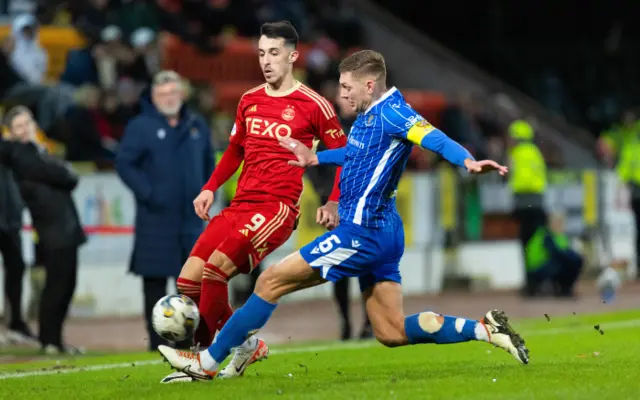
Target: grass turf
570, 359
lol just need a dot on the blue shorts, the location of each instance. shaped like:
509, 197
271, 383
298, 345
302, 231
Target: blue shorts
373, 255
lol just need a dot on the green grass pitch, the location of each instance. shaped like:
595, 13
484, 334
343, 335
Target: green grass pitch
570, 359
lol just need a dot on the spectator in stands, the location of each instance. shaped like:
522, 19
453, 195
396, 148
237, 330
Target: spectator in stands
208, 24
339, 19
45, 186
165, 158
322, 63
294, 11
134, 14
112, 56
550, 259
80, 68
25, 74
28, 59
9, 77
11, 250
90, 17
147, 56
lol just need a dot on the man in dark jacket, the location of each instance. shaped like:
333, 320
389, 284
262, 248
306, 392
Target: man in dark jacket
11, 250
45, 187
165, 158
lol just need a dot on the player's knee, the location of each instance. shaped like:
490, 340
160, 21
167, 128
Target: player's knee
430, 322
224, 263
390, 332
391, 339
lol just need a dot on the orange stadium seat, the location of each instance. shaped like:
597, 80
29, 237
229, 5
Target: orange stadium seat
239, 62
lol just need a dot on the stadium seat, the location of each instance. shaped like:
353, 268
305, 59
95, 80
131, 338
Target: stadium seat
238, 63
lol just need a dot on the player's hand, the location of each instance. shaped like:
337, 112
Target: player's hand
484, 166
327, 215
203, 203
305, 157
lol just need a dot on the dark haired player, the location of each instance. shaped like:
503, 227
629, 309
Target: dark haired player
263, 213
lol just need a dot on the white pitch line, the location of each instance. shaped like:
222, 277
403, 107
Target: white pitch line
296, 350
102, 367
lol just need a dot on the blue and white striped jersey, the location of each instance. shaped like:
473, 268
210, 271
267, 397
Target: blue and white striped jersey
378, 147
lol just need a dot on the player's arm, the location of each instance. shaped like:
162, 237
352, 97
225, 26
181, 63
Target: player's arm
331, 157
228, 165
232, 157
405, 123
428, 137
332, 134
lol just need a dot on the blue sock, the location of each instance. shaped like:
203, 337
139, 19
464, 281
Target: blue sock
425, 328
253, 315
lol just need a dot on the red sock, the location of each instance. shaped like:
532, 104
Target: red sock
228, 312
189, 288
214, 300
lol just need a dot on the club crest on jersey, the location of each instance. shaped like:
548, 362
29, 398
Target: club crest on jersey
195, 133
288, 113
370, 120
161, 134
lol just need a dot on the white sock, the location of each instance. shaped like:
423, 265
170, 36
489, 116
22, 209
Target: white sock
207, 362
481, 332
250, 344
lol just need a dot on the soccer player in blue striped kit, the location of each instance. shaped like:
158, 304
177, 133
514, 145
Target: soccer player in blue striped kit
369, 241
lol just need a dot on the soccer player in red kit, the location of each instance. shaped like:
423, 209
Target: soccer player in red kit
264, 210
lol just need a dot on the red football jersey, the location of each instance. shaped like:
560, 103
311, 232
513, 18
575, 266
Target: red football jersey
262, 117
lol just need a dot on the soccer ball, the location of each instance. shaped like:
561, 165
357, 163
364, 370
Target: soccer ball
175, 317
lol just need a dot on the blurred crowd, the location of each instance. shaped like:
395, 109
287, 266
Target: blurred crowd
82, 115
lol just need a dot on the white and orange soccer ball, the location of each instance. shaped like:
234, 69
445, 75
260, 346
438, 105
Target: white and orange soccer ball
175, 317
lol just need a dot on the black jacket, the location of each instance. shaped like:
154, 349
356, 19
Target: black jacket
45, 186
10, 202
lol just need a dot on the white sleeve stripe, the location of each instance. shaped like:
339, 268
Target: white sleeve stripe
387, 119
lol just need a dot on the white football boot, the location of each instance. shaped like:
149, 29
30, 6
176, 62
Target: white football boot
502, 335
177, 377
187, 362
244, 356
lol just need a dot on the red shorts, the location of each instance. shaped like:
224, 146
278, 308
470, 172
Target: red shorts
246, 233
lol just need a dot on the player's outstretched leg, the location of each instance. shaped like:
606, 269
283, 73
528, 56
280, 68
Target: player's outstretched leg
494, 328
291, 274
393, 329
